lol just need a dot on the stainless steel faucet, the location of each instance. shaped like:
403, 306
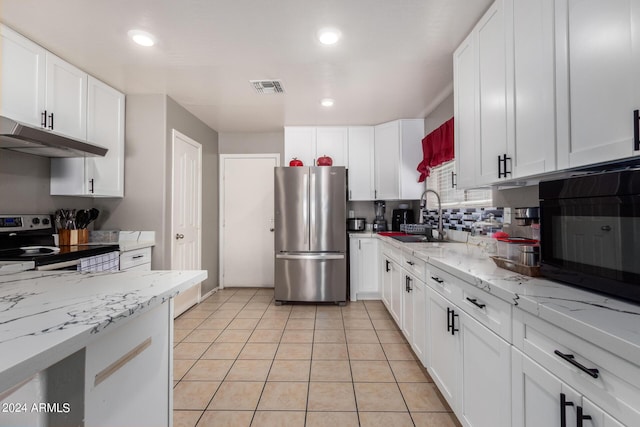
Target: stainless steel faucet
423, 207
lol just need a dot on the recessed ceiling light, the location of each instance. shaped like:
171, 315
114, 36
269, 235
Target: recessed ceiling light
142, 38
329, 36
327, 102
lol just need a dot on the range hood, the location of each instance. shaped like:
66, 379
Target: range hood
17, 136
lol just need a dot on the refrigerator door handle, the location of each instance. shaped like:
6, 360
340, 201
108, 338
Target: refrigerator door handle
310, 256
312, 208
305, 207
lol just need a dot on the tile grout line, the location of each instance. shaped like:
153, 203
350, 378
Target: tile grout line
353, 385
253, 330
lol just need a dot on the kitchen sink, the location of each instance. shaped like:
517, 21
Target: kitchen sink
416, 238
411, 238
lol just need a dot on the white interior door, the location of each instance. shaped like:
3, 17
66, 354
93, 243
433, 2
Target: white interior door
186, 214
246, 232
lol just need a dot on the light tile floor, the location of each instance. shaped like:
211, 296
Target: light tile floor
240, 360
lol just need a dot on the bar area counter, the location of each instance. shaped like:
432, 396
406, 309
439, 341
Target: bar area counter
88, 348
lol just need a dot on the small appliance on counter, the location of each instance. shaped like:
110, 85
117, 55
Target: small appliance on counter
356, 224
526, 216
401, 216
380, 224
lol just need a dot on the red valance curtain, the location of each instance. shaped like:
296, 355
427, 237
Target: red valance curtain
437, 148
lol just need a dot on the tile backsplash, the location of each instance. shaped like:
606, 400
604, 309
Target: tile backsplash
461, 219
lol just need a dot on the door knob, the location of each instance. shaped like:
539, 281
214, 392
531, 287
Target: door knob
271, 229
179, 236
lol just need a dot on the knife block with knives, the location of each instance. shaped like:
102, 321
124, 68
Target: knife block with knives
68, 237
72, 225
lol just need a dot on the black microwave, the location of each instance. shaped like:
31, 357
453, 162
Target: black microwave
590, 232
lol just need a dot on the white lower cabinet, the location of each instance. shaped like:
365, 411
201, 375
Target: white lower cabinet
414, 322
138, 259
363, 254
600, 384
443, 347
469, 363
542, 399
420, 327
485, 376
129, 369
391, 280
407, 306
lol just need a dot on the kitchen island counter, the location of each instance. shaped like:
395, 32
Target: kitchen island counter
47, 316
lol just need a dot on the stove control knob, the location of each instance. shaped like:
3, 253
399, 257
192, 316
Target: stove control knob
45, 221
35, 221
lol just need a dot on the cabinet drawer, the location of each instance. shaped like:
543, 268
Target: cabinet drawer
445, 284
415, 266
392, 252
140, 267
615, 385
491, 311
135, 258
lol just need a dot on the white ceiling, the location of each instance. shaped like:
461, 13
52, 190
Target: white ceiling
393, 61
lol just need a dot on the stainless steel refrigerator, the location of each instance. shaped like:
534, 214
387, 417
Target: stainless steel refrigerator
310, 234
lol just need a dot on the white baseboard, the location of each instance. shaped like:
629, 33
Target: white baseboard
208, 294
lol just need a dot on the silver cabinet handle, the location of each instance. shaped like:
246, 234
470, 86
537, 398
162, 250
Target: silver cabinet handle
311, 256
179, 236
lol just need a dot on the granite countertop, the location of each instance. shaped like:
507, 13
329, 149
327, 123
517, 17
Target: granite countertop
46, 316
605, 321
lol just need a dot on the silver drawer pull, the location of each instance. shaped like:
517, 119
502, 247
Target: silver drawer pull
571, 359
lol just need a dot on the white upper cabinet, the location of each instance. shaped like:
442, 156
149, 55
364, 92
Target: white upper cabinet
66, 99
491, 45
23, 82
361, 163
531, 87
96, 176
465, 110
398, 151
382, 160
480, 101
300, 143
387, 160
105, 126
333, 142
40, 89
602, 57
553, 86
309, 143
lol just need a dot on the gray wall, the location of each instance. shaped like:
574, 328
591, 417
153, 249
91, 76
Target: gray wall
252, 143
147, 202
186, 123
24, 186
143, 205
442, 113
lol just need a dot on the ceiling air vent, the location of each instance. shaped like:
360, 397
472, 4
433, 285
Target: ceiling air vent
267, 86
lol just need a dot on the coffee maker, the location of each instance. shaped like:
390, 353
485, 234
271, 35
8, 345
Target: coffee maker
379, 224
